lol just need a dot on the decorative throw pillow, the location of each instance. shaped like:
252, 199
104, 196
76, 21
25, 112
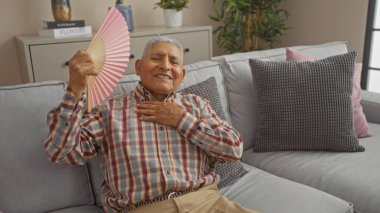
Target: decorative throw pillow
228, 173
305, 105
360, 121
208, 90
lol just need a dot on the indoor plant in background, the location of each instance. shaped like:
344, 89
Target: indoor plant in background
248, 25
173, 11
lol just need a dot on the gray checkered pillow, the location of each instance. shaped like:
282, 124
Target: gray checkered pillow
208, 90
305, 105
228, 173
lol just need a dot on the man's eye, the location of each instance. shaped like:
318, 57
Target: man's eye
174, 61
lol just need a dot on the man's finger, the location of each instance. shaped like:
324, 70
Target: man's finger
146, 111
83, 57
89, 69
154, 103
151, 118
149, 105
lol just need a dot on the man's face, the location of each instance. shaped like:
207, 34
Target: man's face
161, 70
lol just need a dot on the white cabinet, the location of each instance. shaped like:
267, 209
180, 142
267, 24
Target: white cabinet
43, 58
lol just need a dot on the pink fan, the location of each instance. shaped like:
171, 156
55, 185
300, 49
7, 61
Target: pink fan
110, 51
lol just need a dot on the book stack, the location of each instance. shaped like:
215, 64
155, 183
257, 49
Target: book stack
65, 29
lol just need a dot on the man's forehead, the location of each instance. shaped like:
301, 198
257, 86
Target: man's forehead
164, 47
163, 53
171, 50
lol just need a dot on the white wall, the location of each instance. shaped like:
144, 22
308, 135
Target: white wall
317, 21
311, 21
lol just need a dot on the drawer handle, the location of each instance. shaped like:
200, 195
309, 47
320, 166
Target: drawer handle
186, 50
131, 56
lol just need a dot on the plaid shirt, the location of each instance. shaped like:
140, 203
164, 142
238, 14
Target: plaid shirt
142, 160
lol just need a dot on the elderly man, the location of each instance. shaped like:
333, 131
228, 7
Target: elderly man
158, 148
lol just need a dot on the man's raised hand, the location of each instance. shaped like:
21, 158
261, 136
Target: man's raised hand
81, 66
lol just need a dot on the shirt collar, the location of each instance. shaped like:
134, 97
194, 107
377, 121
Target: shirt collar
142, 94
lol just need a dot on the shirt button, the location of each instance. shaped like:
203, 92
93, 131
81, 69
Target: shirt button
183, 131
163, 151
168, 172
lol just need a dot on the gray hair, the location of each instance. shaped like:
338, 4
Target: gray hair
167, 39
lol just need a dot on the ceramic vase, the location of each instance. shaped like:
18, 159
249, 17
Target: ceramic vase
61, 10
126, 11
173, 18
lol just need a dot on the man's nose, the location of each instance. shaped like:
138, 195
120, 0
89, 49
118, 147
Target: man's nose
165, 64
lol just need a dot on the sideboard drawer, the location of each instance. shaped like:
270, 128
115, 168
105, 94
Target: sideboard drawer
43, 58
50, 59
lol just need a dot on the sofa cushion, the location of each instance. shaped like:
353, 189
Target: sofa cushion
200, 71
267, 193
208, 90
371, 106
240, 90
80, 209
28, 181
228, 173
360, 121
294, 55
353, 176
305, 105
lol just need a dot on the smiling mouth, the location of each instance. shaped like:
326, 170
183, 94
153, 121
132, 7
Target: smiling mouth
163, 76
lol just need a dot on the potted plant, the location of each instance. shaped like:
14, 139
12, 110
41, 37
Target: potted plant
173, 11
248, 25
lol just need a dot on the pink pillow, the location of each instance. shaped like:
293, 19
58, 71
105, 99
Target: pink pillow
360, 121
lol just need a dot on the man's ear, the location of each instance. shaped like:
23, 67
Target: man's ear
138, 66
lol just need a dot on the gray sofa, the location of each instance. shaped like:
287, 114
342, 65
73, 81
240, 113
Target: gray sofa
285, 181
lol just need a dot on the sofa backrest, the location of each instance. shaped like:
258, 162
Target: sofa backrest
195, 73
241, 94
370, 102
28, 181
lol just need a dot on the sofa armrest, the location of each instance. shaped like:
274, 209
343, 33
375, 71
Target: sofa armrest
371, 106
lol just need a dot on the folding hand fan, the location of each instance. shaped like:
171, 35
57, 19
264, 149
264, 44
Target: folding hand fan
110, 51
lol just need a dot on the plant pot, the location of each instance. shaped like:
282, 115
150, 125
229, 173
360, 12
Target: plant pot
61, 10
173, 18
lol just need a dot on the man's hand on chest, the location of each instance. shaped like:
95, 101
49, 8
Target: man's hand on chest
166, 113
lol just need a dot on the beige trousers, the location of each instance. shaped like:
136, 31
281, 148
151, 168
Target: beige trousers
205, 200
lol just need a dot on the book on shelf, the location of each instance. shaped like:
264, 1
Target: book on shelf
62, 24
66, 32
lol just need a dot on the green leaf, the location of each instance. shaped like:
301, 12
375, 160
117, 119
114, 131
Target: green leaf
237, 26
